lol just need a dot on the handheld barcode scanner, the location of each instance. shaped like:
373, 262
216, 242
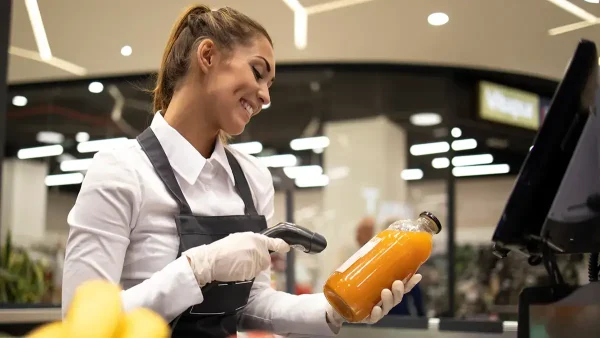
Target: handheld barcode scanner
297, 237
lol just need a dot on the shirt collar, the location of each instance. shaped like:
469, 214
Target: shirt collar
183, 157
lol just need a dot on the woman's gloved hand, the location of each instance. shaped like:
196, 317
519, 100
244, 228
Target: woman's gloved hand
389, 299
235, 258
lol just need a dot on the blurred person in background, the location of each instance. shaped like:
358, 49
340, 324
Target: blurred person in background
175, 216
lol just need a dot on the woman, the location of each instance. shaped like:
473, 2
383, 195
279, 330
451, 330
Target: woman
174, 218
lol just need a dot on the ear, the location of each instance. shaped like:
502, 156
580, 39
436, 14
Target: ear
205, 54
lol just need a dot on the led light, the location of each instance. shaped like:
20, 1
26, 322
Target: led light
461, 161
266, 106
440, 162
76, 165
425, 119
44, 151
277, 161
456, 132
39, 33
479, 170
310, 143
575, 10
438, 19
248, 147
465, 144
311, 181
126, 50
411, 174
429, 148
63, 179
96, 87
303, 171
50, 137
98, 145
82, 137
54, 61
19, 101
593, 1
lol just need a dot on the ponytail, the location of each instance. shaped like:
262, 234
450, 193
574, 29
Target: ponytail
174, 62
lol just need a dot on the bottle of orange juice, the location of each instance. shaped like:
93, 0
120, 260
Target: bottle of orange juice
394, 254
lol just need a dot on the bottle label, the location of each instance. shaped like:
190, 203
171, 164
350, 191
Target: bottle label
361, 252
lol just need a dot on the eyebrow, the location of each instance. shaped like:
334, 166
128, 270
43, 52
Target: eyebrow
266, 63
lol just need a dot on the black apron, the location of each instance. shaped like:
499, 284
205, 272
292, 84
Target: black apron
216, 316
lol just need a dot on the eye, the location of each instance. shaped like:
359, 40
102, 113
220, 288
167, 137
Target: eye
257, 75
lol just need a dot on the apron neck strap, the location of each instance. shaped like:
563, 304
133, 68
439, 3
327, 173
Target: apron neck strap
151, 146
241, 184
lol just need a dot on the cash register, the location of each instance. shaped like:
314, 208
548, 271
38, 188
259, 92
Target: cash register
554, 207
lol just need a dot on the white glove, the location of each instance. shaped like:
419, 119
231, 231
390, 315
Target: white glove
235, 258
389, 299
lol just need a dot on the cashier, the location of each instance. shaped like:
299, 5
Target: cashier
171, 214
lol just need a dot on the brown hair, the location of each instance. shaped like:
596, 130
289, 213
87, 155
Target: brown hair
225, 26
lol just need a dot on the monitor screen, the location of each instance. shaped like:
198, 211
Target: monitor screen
542, 173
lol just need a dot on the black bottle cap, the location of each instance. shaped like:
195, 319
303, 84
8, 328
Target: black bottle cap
433, 218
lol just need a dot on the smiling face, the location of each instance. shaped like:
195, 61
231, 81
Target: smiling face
236, 82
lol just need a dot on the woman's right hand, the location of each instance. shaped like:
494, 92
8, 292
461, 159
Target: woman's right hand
235, 258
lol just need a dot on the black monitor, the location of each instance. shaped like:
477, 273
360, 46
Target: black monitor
548, 205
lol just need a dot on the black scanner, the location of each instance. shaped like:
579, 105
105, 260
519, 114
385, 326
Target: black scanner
297, 237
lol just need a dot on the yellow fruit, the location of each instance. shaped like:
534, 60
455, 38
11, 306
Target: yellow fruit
95, 311
143, 323
52, 330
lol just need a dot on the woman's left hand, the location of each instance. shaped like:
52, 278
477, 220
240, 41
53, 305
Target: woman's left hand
389, 299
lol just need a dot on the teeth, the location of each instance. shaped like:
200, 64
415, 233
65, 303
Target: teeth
247, 107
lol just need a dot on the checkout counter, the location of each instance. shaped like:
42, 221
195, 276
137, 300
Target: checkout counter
19, 321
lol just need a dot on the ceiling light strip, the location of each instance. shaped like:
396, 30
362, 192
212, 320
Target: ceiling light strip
480, 170
572, 27
54, 61
575, 10
37, 152
333, 5
35, 17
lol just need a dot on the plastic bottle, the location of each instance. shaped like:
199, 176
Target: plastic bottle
394, 254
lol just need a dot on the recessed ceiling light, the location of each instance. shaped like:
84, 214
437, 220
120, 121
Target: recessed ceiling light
96, 87
425, 119
19, 101
82, 136
438, 19
456, 132
126, 50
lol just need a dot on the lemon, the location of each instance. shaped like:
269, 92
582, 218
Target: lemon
95, 311
144, 323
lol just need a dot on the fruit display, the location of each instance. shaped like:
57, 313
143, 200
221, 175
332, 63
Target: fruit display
97, 312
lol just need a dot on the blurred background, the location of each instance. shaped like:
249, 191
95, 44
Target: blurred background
381, 109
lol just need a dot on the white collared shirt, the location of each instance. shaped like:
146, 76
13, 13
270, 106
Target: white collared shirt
122, 229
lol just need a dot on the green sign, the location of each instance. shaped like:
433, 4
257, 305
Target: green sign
507, 105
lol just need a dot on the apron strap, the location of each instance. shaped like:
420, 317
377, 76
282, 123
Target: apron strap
151, 146
241, 184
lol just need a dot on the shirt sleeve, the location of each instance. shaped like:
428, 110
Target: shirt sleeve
100, 223
279, 312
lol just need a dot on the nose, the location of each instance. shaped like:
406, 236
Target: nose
263, 95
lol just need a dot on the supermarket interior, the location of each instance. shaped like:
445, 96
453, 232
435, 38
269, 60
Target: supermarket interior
482, 113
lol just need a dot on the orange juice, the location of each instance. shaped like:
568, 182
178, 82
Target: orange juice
394, 254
